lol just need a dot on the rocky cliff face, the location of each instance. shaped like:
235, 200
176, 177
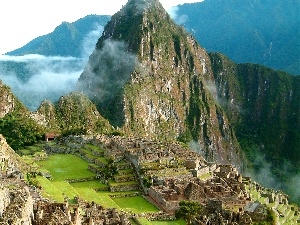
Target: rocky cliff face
148, 76
16, 203
8, 102
262, 104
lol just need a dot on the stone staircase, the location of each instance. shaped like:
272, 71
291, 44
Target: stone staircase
124, 180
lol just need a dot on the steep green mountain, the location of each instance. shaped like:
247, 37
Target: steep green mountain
65, 40
151, 78
266, 32
263, 106
8, 101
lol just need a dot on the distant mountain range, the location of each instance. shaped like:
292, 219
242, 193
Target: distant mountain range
66, 40
265, 32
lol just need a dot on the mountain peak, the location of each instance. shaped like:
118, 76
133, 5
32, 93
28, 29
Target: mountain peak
127, 24
142, 5
147, 76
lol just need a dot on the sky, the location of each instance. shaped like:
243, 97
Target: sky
23, 20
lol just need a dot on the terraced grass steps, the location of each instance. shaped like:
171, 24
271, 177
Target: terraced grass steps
123, 186
92, 184
101, 161
124, 178
95, 149
88, 155
288, 215
125, 172
66, 189
49, 190
122, 165
89, 195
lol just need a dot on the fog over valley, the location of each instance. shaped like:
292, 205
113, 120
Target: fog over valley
34, 78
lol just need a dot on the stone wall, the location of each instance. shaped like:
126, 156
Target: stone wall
159, 198
125, 187
16, 203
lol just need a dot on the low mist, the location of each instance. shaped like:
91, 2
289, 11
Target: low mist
264, 174
108, 70
178, 19
34, 78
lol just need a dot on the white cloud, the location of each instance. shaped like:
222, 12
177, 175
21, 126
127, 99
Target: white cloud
45, 77
179, 19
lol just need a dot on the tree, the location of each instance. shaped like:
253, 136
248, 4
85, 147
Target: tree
20, 130
188, 210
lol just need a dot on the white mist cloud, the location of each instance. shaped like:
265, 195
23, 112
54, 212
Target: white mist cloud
46, 78
90, 41
265, 176
32, 57
34, 78
109, 69
293, 188
179, 19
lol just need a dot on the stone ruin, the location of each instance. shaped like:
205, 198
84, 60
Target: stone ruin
81, 213
175, 173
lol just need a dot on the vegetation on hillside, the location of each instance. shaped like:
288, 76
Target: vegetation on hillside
248, 31
20, 130
263, 107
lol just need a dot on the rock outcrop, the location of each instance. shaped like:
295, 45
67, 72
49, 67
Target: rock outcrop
8, 101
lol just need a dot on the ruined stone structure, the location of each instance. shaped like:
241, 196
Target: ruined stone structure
168, 174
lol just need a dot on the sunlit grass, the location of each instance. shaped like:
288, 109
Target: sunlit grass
144, 221
66, 189
135, 204
62, 167
49, 190
93, 184
98, 197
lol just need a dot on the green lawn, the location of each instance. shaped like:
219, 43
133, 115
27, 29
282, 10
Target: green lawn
62, 167
66, 189
176, 222
144, 221
49, 190
93, 184
135, 204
